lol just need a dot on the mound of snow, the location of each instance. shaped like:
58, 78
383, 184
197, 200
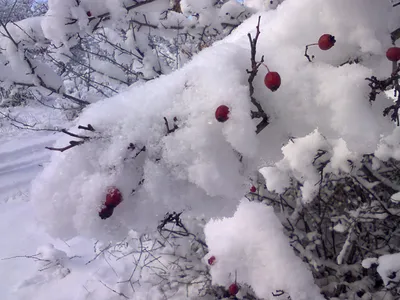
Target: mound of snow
252, 245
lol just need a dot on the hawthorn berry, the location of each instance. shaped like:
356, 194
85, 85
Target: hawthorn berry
113, 198
253, 189
272, 81
326, 41
211, 260
393, 54
106, 212
233, 289
221, 113
89, 14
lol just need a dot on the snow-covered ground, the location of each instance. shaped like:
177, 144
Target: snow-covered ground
22, 157
20, 160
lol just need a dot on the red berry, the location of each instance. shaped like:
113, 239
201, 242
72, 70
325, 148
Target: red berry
211, 260
233, 289
393, 54
113, 198
253, 189
326, 41
106, 212
221, 114
88, 13
272, 81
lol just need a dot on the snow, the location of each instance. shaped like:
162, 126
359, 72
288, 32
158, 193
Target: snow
388, 267
395, 197
368, 262
20, 160
262, 4
252, 245
302, 159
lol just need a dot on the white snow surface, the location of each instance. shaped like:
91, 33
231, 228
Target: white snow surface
251, 244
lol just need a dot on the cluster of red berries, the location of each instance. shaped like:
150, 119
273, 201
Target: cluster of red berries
272, 80
113, 199
233, 289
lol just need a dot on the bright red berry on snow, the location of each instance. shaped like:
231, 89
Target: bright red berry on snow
106, 212
211, 260
253, 189
233, 289
89, 14
113, 198
393, 54
272, 81
326, 41
221, 113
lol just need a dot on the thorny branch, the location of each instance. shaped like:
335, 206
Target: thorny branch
260, 113
175, 219
377, 86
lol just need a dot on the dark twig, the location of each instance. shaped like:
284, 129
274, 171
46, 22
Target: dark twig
169, 130
260, 113
378, 86
71, 145
306, 52
88, 127
74, 135
74, 143
394, 116
175, 218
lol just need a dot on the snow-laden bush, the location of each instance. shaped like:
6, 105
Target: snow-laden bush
204, 166
327, 150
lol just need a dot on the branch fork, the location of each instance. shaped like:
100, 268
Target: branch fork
73, 144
